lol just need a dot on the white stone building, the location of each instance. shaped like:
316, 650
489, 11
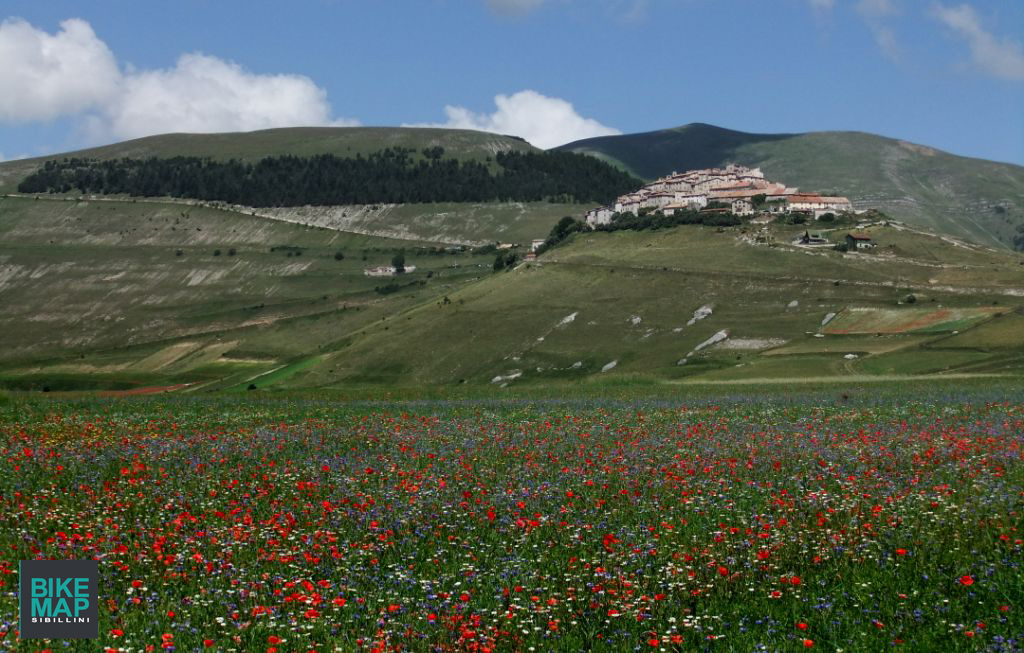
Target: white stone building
817, 203
599, 216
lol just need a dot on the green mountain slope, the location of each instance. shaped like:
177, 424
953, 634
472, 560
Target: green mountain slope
974, 199
111, 294
622, 305
467, 223
98, 297
298, 141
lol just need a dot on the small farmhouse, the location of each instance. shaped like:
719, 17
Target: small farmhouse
855, 241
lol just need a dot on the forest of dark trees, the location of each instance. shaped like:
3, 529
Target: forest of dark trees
395, 175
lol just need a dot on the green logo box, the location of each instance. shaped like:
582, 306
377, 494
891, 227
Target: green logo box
58, 599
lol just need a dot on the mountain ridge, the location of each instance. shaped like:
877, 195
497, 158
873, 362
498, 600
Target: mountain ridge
299, 141
973, 199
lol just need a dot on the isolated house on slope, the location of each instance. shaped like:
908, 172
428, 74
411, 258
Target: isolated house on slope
857, 241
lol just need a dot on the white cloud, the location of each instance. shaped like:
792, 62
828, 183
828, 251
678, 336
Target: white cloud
876, 13
887, 41
43, 76
543, 121
72, 72
822, 5
1003, 58
206, 94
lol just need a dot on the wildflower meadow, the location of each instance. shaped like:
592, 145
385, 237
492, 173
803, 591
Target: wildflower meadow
743, 525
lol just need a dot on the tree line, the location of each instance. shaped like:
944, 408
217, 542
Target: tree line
658, 220
393, 175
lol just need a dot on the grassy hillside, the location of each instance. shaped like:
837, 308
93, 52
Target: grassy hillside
298, 141
85, 310
121, 294
982, 201
622, 302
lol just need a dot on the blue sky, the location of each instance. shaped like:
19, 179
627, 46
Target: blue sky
943, 73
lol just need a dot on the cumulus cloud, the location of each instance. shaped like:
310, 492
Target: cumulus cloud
206, 94
543, 121
998, 57
513, 7
44, 76
72, 72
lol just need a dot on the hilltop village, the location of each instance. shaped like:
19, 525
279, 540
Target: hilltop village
737, 189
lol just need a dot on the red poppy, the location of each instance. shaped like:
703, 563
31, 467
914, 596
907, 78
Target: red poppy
966, 580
